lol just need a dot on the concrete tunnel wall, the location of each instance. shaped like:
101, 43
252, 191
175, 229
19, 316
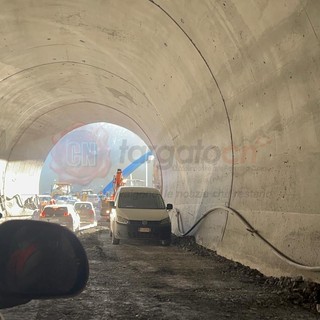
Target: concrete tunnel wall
230, 89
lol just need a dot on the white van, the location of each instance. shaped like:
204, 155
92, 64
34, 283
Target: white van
140, 213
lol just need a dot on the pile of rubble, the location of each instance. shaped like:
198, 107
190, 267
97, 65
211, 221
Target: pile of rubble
296, 290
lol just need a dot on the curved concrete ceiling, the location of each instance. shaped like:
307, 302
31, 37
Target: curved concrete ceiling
229, 88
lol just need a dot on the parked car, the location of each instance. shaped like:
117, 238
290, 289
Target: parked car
62, 199
105, 210
63, 214
66, 199
86, 212
72, 200
140, 212
96, 201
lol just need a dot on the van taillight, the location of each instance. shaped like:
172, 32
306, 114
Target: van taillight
42, 214
66, 213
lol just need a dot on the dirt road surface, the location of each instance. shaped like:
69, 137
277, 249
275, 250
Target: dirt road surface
138, 280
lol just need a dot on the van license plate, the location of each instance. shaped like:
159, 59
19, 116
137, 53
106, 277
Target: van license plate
144, 230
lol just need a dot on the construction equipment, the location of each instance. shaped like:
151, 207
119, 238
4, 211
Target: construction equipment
117, 182
85, 193
128, 170
60, 189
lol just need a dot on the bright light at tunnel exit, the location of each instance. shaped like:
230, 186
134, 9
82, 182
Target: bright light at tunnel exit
89, 155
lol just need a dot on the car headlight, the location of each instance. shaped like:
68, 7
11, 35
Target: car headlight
165, 221
122, 220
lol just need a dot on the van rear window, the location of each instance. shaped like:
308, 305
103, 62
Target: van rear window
140, 200
58, 211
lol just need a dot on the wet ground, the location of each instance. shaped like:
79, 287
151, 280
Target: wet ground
138, 280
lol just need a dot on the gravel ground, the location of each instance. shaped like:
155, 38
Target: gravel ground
296, 290
143, 280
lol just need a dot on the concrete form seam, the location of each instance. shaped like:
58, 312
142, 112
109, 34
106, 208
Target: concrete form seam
314, 31
218, 87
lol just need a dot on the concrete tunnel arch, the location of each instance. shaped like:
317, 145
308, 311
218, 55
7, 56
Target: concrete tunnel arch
239, 78
35, 151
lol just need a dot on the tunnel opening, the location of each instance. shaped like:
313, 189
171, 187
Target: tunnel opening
89, 155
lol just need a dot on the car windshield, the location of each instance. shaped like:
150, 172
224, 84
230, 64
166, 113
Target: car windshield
140, 200
93, 198
79, 206
62, 198
45, 198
